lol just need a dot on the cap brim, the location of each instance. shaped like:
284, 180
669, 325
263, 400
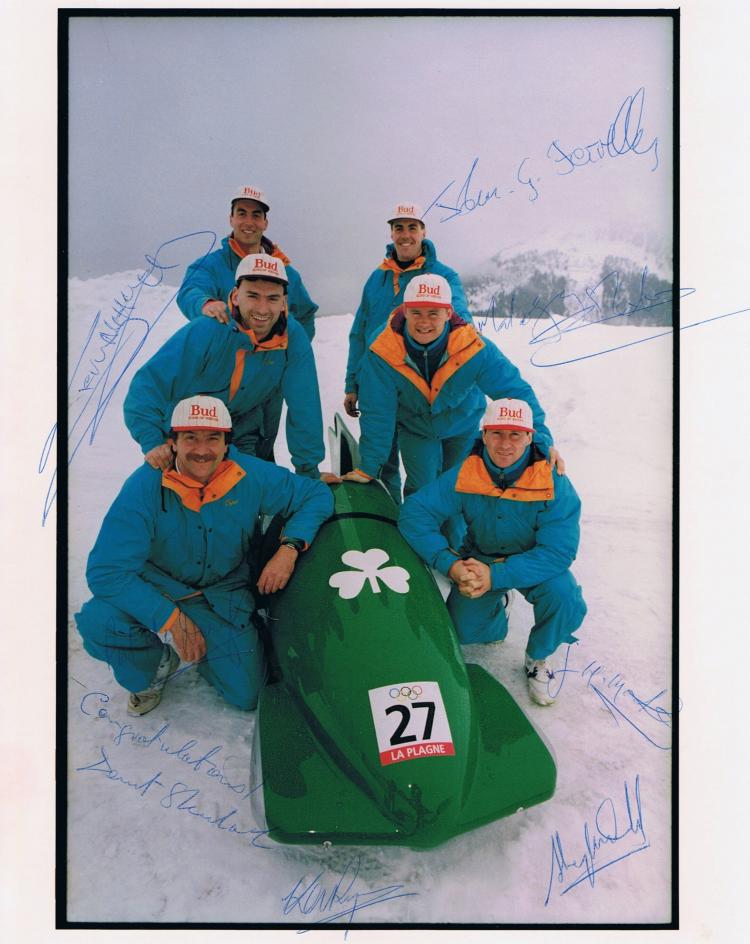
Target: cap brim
427, 304
521, 429
263, 278
194, 426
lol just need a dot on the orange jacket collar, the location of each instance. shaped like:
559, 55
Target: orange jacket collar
266, 246
194, 494
535, 484
463, 343
389, 264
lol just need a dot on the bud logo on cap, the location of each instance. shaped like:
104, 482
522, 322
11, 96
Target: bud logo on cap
252, 193
407, 211
432, 290
508, 414
260, 265
196, 410
201, 412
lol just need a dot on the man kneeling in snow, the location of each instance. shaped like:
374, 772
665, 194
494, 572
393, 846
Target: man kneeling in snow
170, 571
522, 519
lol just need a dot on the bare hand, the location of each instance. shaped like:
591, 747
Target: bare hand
329, 478
187, 639
350, 404
472, 577
556, 460
275, 575
356, 476
160, 457
218, 310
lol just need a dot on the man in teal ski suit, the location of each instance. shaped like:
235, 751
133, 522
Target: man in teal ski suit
409, 254
209, 281
244, 363
522, 521
170, 570
426, 374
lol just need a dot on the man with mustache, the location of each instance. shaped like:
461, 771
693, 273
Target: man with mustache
522, 520
170, 570
259, 356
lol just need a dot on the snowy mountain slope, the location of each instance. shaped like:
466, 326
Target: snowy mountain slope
596, 276
160, 825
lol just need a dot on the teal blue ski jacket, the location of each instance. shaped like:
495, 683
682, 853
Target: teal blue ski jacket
212, 277
384, 291
394, 393
526, 533
166, 537
225, 361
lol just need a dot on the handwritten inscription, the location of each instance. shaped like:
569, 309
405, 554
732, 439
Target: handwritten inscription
111, 346
647, 716
212, 763
177, 796
336, 898
625, 135
608, 840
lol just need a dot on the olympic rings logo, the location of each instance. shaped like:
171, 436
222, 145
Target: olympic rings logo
406, 691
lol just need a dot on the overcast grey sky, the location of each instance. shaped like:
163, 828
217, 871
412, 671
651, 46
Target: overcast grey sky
337, 118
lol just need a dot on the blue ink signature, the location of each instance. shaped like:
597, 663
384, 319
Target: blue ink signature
625, 134
464, 203
178, 791
313, 897
199, 762
605, 834
620, 347
546, 328
642, 714
603, 302
110, 348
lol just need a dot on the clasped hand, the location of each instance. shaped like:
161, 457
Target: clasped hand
471, 576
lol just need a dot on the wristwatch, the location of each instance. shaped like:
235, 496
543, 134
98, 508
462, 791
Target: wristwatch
297, 543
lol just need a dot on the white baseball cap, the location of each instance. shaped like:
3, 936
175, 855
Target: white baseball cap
201, 412
406, 211
432, 290
259, 265
508, 414
249, 192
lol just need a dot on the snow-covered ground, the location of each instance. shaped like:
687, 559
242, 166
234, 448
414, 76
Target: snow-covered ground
152, 800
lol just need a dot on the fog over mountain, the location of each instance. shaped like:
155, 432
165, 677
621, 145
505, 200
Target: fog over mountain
618, 279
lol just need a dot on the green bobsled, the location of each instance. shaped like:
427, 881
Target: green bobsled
377, 731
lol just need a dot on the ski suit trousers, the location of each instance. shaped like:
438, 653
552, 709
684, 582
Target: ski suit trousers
559, 610
234, 662
426, 459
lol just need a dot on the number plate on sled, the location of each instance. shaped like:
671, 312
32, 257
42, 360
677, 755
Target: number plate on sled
410, 721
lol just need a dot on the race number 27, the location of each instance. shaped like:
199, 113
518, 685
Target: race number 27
410, 722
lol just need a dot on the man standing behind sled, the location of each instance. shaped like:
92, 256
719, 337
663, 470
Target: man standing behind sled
426, 374
208, 282
522, 522
170, 569
408, 255
245, 364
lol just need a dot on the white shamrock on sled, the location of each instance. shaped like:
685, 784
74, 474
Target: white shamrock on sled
369, 567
